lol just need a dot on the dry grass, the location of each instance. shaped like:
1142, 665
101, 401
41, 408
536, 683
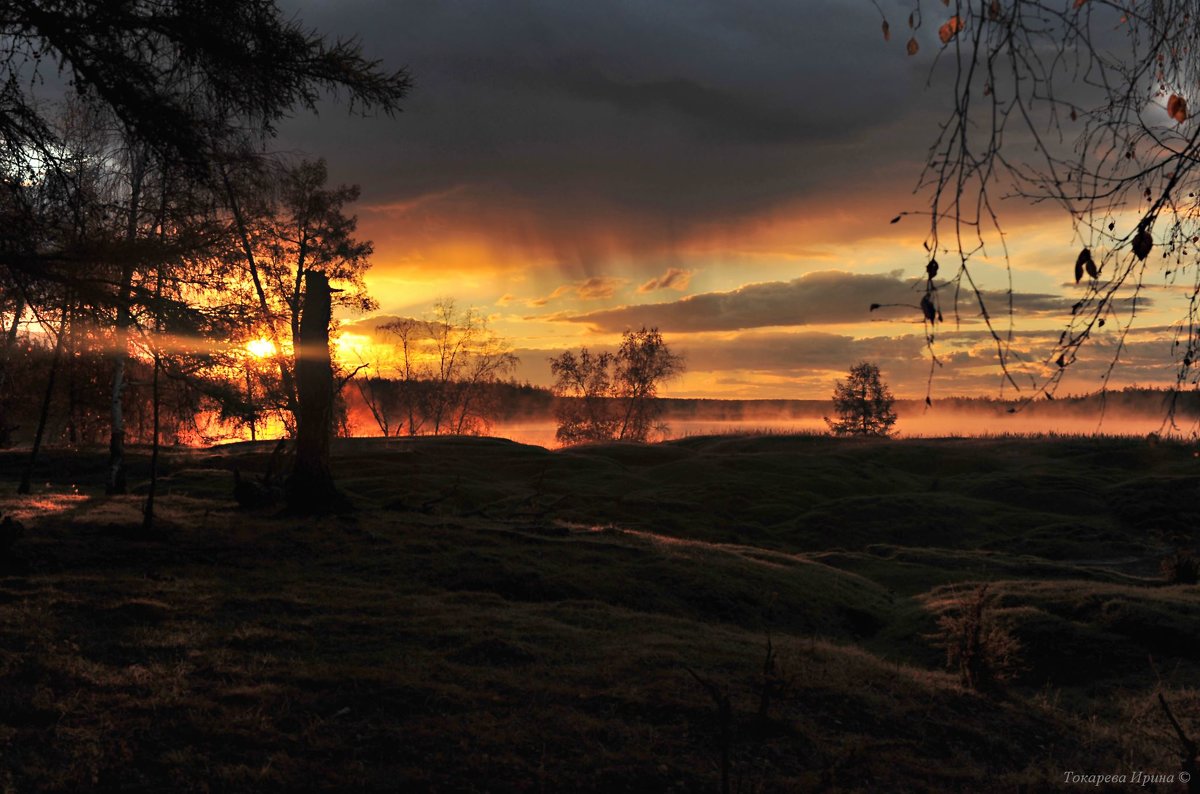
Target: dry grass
491, 642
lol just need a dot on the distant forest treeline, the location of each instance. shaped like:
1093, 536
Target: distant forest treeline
79, 409
1152, 402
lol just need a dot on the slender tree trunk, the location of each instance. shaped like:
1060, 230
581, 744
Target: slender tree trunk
294, 303
285, 373
72, 386
250, 405
10, 337
148, 508
310, 487
410, 388
864, 411
464, 407
633, 403
156, 395
27, 474
10, 341
116, 442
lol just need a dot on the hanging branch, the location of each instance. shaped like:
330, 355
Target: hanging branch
1083, 107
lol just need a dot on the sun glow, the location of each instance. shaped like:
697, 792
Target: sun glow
260, 348
354, 345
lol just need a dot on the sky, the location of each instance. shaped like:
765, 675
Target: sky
725, 172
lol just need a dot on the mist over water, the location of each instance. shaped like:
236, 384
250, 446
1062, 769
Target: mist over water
965, 423
934, 423
1127, 413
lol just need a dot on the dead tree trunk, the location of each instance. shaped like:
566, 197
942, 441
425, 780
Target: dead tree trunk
310, 487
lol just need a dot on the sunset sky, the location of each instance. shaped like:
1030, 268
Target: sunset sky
724, 171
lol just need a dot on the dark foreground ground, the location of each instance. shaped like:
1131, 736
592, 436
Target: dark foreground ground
499, 617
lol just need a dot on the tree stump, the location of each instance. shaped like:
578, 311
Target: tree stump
310, 487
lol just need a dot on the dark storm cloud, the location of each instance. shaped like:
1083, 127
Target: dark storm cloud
821, 298
649, 119
723, 114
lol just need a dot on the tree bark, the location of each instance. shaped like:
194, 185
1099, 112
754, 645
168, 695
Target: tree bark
116, 441
10, 340
310, 487
148, 507
27, 475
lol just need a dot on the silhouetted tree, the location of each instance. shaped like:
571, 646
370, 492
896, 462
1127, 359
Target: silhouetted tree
863, 404
183, 82
439, 375
288, 222
584, 385
181, 86
182, 76
609, 396
467, 357
409, 371
310, 487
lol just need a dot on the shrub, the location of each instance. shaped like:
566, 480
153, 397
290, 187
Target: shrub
978, 645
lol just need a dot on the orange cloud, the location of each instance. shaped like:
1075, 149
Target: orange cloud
675, 278
594, 288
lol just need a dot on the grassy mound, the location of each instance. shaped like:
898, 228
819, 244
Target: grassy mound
500, 617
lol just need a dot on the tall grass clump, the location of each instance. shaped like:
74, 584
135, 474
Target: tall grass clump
977, 643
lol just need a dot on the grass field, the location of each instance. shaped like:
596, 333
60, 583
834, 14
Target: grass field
497, 617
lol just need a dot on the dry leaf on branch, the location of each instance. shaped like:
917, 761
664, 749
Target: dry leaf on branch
1084, 262
1177, 108
928, 309
953, 26
1142, 243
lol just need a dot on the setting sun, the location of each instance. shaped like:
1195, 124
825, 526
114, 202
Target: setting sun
260, 348
357, 345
